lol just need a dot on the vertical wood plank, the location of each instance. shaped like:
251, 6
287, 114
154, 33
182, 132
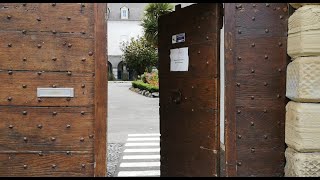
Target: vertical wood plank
100, 96
230, 125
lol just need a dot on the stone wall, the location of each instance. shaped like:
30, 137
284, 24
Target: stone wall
302, 129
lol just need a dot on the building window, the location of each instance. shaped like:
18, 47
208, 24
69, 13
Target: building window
108, 13
124, 13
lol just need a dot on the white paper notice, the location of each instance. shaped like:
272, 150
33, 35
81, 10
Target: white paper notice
179, 59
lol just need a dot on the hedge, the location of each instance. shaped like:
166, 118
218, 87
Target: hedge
144, 86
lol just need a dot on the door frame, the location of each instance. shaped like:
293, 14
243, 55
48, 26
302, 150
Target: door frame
100, 90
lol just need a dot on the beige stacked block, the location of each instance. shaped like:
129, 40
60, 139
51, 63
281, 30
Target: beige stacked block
304, 32
302, 164
302, 127
297, 5
303, 79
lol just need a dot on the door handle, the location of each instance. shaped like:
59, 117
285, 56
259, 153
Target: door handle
176, 96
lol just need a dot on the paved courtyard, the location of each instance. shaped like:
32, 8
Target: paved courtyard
129, 113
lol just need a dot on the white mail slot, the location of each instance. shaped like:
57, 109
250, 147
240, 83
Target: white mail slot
55, 92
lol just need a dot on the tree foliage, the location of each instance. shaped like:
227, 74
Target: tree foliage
150, 20
139, 55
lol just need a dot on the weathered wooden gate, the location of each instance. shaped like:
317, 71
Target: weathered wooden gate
52, 46
189, 100
255, 65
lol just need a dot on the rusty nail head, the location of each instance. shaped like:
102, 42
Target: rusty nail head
69, 45
207, 62
281, 17
252, 123
82, 112
68, 125
83, 165
239, 111
64, 43
54, 31
54, 113
252, 70
24, 4
267, 4
38, 18
265, 137
25, 138
83, 5
267, 30
24, 59
69, 18
278, 96
39, 126
83, 59
83, 85
253, 45
39, 73
24, 112
8, 16
54, 58
10, 126
68, 152
69, 73
192, 110
91, 136
53, 138
253, 150
39, 99
239, 136
266, 56
53, 4
10, 72
253, 18
265, 110
9, 45
39, 45
9, 98
54, 86
252, 97
25, 166
239, 31
265, 84
40, 154
238, 84
90, 53
239, 163
81, 139
254, 5
83, 32
280, 44
54, 166
279, 70
239, 58
68, 99
24, 31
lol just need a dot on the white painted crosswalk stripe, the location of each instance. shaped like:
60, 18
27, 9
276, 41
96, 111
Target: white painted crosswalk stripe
143, 150
150, 134
142, 144
139, 173
144, 139
140, 164
141, 157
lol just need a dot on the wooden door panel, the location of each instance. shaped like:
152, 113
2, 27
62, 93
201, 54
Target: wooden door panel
255, 63
189, 123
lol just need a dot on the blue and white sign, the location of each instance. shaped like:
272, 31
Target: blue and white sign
178, 38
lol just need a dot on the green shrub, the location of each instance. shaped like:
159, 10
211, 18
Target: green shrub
111, 77
144, 86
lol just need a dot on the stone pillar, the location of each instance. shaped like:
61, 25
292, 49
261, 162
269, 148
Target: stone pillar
302, 128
